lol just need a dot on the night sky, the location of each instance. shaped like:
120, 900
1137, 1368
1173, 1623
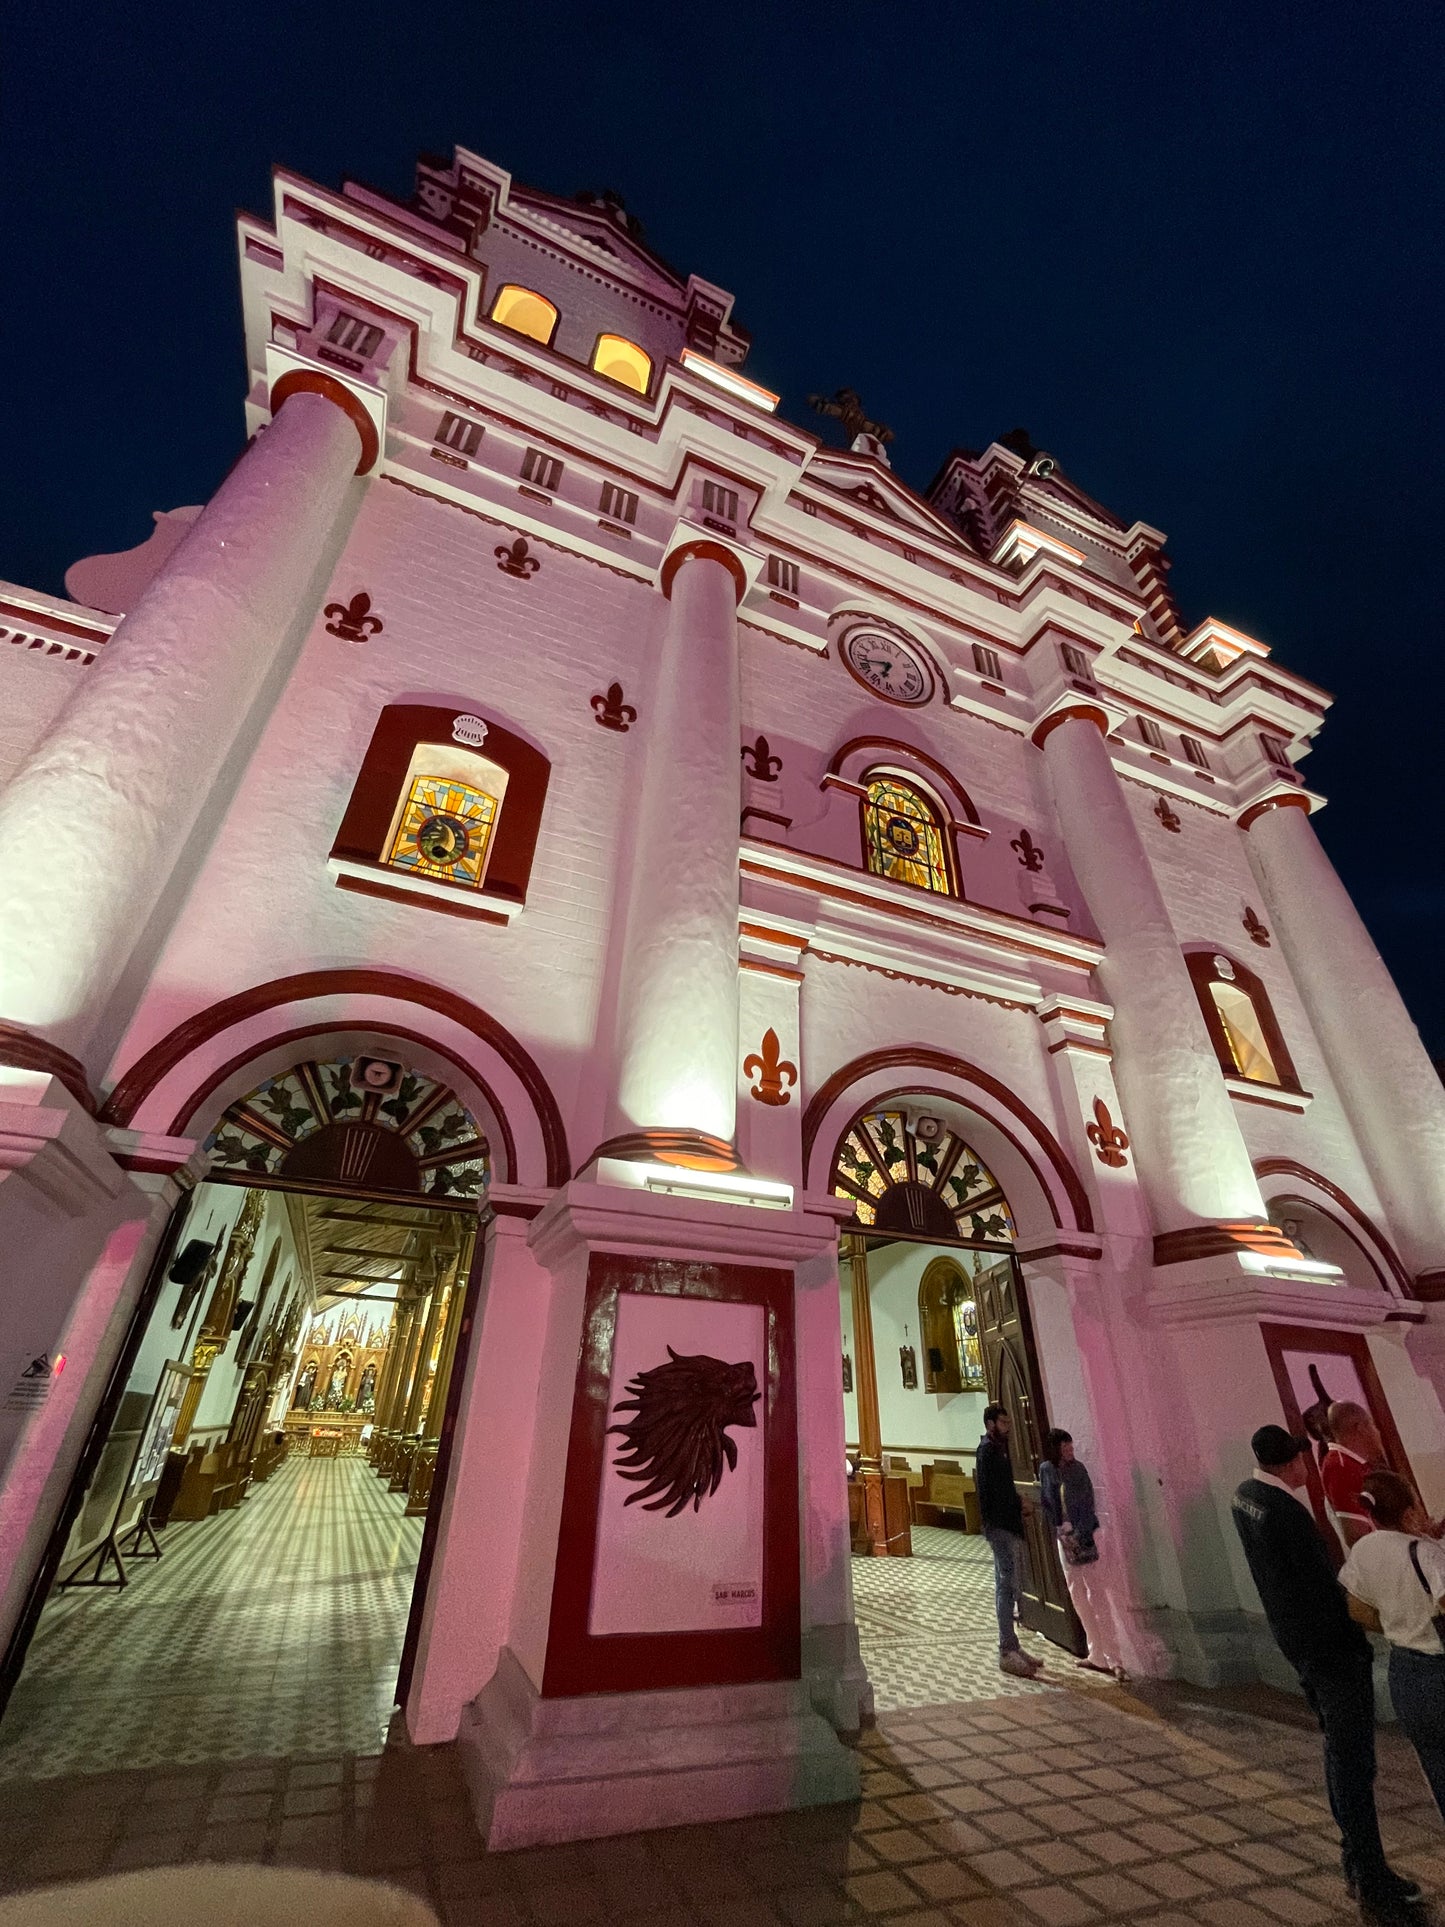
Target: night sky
1195, 250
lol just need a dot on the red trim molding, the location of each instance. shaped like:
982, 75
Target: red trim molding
312, 381
582, 1662
921, 1057
22, 1051
197, 1098
400, 728
1257, 810
890, 746
162, 1058
694, 1150
1287, 1167
1279, 1340
703, 552
1087, 712
1213, 1240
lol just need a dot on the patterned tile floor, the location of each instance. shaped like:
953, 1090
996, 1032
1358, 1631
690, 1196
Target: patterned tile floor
272, 1630
927, 1629
1174, 1809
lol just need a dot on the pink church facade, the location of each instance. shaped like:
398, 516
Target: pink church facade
534, 705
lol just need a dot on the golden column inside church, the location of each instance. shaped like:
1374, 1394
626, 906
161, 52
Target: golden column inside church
883, 1524
423, 1468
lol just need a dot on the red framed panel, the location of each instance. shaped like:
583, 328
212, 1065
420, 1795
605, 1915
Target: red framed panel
580, 1661
1279, 1342
373, 800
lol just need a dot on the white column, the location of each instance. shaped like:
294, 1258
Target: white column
92, 825
1388, 1085
678, 991
1191, 1156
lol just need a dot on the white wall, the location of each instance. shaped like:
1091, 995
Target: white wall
949, 1423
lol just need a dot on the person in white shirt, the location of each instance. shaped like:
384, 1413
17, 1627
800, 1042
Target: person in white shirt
1394, 1578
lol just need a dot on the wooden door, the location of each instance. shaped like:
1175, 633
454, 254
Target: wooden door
1011, 1367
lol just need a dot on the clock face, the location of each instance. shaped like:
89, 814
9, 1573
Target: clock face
887, 666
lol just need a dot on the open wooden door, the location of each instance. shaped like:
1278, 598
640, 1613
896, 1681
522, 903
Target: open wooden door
1011, 1367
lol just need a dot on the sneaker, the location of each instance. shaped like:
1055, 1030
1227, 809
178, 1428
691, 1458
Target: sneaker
1018, 1664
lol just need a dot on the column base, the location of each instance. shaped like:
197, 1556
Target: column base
543, 1771
837, 1680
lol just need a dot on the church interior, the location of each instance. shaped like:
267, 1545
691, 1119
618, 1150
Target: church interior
927, 1284
238, 1572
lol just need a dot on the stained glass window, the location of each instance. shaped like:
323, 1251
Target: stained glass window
260, 1131
1244, 1033
444, 831
903, 836
888, 1173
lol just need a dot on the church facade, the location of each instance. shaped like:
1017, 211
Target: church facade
762, 861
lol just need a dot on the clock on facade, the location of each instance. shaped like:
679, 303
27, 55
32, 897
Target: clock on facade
887, 665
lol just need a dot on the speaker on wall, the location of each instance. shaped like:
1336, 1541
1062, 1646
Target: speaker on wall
192, 1261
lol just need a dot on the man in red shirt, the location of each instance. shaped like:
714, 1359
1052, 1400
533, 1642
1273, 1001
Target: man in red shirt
1356, 1448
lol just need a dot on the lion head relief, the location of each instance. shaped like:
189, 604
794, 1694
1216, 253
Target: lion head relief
677, 1445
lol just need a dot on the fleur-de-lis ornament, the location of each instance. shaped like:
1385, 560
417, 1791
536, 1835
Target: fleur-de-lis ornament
1259, 932
1168, 817
764, 766
1030, 855
352, 621
771, 1069
612, 712
514, 560
1108, 1140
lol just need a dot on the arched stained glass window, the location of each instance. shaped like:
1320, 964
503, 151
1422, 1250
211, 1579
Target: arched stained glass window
903, 836
935, 1187
1241, 1023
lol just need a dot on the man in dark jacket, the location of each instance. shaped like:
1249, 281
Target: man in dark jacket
1002, 1512
1312, 1627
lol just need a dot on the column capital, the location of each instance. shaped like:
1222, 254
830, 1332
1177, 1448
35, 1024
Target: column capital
1282, 796
690, 543
1105, 717
300, 378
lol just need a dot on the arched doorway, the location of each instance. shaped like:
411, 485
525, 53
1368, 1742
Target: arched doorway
932, 1234
277, 1433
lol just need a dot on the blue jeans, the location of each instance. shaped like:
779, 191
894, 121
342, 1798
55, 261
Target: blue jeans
1417, 1693
1008, 1552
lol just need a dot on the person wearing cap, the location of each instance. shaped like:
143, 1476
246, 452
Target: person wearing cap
1310, 1620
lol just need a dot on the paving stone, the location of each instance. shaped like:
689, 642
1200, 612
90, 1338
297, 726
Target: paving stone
1115, 1893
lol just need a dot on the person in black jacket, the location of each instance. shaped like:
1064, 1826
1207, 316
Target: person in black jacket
1310, 1620
1002, 1512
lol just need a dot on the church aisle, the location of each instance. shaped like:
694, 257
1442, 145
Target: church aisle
271, 1631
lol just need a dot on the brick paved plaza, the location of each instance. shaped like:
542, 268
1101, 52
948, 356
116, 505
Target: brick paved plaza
1162, 1806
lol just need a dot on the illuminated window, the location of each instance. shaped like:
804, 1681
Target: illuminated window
446, 815
622, 360
525, 313
948, 1322
1244, 1034
1241, 1022
936, 1187
903, 836
444, 831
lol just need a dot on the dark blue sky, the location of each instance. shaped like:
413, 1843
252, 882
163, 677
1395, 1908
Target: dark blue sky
1195, 250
